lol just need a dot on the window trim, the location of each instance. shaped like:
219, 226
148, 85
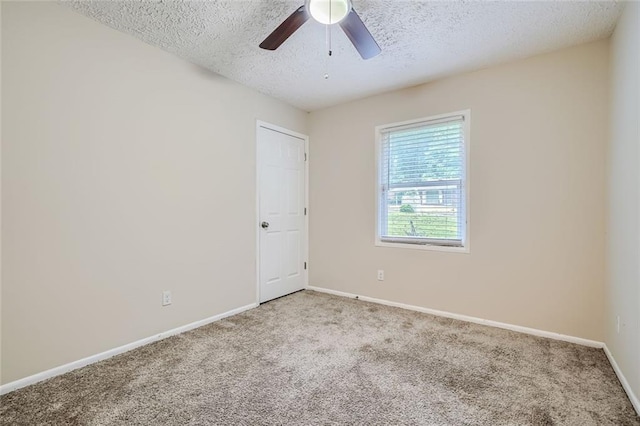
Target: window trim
428, 244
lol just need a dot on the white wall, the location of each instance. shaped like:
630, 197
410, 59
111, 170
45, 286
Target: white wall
623, 251
0, 194
125, 172
537, 177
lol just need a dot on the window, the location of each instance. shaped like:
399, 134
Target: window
422, 187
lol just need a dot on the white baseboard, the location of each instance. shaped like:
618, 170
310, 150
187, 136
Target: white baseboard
518, 328
11, 386
623, 380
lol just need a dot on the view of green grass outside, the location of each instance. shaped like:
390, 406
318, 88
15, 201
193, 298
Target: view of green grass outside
424, 225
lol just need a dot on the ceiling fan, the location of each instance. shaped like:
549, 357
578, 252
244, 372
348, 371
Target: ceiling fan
328, 12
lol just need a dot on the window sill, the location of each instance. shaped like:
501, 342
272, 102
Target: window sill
430, 247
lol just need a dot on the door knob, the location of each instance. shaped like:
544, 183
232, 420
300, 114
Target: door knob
265, 225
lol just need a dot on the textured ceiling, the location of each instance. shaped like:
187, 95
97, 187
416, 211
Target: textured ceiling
420, 40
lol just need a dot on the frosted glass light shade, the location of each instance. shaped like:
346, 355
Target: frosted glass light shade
329, 11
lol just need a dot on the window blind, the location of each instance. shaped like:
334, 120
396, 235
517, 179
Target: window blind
422, 183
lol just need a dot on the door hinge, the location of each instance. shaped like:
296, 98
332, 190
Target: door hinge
305, 156
305, 265
305, 211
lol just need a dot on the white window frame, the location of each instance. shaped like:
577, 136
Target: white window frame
465, 248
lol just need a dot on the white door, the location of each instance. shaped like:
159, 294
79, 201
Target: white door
282, 230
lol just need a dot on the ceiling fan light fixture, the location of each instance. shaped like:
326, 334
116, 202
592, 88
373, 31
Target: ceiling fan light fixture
329, 11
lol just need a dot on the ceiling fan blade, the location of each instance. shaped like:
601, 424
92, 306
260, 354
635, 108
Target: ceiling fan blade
284, 30
359, 35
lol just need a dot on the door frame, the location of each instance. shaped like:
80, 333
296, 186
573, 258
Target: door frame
305, 231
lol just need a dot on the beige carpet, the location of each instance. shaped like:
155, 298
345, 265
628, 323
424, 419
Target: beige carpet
315, 359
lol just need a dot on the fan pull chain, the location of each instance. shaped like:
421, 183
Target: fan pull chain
328, 32
328, 28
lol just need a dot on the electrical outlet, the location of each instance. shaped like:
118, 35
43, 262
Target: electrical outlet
380, 275
166, 298
618, 325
